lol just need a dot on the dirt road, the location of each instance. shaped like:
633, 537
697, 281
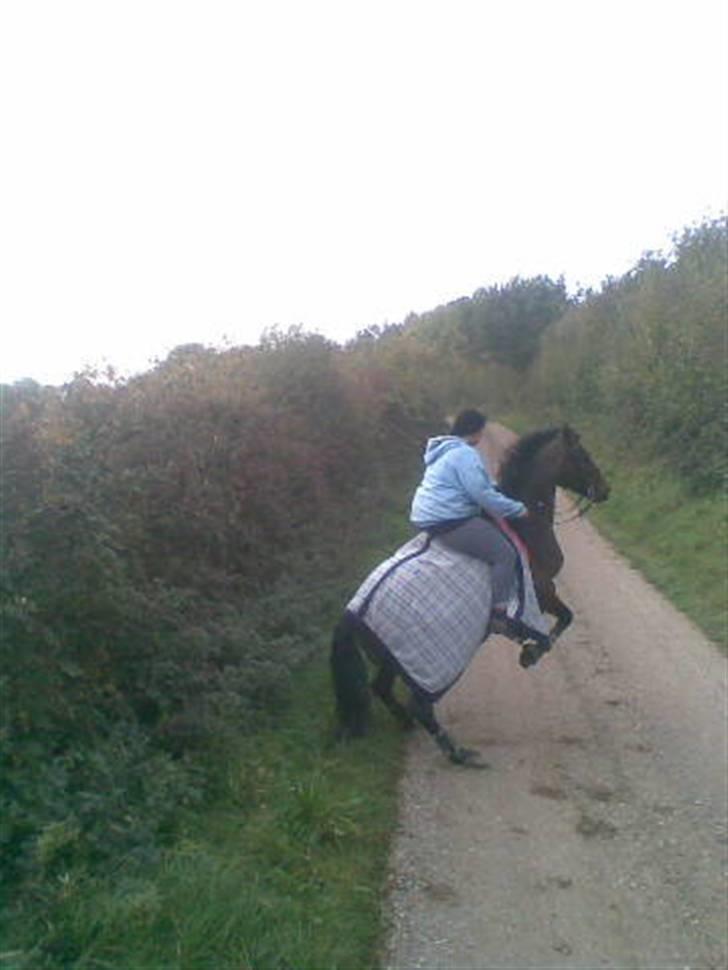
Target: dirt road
597, 837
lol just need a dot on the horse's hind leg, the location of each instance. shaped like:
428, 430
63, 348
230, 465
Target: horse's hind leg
423, 710
382, 686
349, 674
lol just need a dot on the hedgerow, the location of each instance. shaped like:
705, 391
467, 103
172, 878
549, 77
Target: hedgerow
173, 545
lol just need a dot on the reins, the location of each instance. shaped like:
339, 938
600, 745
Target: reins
582, 505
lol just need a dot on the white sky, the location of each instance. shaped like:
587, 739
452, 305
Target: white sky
178, 171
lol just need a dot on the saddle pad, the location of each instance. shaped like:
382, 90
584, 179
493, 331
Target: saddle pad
431, 606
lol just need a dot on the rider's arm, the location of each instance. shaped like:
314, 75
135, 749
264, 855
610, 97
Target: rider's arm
478, 484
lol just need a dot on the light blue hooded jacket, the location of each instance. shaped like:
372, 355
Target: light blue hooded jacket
456, 485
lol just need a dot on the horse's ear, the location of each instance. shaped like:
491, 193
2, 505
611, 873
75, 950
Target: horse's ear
571, 438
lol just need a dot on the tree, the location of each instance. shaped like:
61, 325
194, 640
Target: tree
505, 323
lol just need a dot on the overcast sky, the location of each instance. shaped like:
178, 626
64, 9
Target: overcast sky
182, 171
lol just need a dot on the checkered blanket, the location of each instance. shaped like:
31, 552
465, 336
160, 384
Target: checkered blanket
431, 607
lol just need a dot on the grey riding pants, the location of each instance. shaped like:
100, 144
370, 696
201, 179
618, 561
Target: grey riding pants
483, 540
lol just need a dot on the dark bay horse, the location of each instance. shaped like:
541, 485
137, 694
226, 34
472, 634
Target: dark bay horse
532, 470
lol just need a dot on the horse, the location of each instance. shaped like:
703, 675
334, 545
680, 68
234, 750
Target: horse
532, 470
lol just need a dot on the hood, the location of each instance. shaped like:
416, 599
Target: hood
437, 447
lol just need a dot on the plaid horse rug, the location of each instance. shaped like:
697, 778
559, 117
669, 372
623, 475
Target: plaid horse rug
431, 607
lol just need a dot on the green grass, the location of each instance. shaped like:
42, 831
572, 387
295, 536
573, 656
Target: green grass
677, 539
282, 869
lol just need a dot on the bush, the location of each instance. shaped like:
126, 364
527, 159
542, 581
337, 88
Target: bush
172, 545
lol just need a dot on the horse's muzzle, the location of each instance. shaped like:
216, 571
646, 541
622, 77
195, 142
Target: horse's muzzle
598, 493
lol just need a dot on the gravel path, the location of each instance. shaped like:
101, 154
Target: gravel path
597, 838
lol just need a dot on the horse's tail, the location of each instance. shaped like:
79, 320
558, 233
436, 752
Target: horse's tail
351, 684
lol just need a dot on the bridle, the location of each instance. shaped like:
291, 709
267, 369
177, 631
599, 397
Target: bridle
583, 472
581, 507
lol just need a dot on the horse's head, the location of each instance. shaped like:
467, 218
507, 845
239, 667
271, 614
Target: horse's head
544, 459
576, 469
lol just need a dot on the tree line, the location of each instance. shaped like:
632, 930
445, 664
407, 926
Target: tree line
643, 357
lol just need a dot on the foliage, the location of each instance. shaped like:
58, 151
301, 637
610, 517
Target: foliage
170, 547
284, 868
645, 357
281, 865
499, 324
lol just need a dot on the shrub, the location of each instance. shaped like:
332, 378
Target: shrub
171, 546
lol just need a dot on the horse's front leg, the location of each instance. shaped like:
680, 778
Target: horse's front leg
545, 565
551, 604
423, 710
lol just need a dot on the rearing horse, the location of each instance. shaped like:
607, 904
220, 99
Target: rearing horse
435, 603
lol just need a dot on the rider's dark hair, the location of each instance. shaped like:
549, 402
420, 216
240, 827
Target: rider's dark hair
468, 422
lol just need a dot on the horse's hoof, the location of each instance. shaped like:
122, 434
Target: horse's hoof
531, 654
468, 757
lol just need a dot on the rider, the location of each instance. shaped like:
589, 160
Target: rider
456, 498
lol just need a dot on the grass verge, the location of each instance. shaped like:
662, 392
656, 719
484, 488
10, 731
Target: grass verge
283, 870
676, 539
283, 867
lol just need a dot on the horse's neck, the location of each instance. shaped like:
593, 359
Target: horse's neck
540, 497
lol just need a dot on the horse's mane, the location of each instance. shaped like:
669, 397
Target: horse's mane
519, 456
